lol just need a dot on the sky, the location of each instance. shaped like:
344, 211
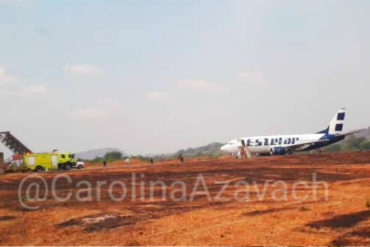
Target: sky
158, 76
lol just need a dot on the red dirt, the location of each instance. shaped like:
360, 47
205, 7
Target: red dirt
344, 219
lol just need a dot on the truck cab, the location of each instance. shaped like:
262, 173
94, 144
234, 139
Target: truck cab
66, 161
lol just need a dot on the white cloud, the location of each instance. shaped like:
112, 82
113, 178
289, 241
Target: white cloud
36, 89
106, 107
156, 96
10, 86
88, 113
253, 78
5, 78
82, 69
200, 85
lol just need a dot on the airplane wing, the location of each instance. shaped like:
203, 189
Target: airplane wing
302, 146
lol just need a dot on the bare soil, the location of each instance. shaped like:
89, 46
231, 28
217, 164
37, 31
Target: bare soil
342, 219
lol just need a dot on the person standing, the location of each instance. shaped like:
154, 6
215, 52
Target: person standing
181, 157
127, 161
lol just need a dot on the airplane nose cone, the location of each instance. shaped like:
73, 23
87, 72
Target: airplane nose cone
224, 148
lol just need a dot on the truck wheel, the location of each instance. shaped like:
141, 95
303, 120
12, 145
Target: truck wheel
39, 169
68, 167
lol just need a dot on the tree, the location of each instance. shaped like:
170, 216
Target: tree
112, 156
365, 145
353, 143
333, 148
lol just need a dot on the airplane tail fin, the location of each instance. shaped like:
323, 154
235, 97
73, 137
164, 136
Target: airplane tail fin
336, 124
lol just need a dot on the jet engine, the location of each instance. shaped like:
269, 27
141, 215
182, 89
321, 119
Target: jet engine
278, 151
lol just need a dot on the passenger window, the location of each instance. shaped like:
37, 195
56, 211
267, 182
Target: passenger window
287, 140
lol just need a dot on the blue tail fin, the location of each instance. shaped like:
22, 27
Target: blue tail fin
336, 124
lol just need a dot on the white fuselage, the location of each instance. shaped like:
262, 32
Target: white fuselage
264, 144
282, 144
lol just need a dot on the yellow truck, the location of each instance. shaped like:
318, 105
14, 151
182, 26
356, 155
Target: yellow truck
49, 161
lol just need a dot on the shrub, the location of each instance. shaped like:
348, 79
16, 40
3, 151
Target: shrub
333, 148
112, 156
365, 145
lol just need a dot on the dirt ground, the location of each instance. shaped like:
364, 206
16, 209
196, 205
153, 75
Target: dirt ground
282, 204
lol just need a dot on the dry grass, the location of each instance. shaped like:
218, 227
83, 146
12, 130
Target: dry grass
343, 220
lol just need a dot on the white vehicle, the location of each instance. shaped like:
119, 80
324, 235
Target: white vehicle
79, 165
282, 144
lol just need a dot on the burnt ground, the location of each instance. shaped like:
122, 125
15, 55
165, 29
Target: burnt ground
200, 202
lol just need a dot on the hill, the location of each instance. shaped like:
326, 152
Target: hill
93, 153
357, 141
365, 133
212, 149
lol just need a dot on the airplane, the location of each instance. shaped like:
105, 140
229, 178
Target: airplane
284, 144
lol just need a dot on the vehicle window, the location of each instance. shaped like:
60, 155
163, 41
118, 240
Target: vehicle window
63, 156
71, 156
31, 160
